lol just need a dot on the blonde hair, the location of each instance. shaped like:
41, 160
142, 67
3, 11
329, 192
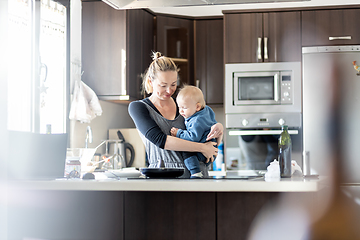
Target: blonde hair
159, 64
192, 92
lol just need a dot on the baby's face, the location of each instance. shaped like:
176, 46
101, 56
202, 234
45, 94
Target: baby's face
187, 106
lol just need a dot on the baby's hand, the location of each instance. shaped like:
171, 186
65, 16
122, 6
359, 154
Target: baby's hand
173, 131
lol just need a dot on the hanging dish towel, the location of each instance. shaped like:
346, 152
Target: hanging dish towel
85, 105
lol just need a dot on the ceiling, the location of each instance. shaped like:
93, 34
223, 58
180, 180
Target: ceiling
216, 10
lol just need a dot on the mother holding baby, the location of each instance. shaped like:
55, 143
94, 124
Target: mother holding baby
154, 117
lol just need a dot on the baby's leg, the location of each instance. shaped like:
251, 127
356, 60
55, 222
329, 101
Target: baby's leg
193, 165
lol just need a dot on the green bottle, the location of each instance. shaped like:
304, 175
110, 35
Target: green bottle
285, 152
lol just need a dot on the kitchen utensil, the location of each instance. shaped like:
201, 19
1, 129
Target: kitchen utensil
162, 172
120, 136
132, 136
106, 157
123, 147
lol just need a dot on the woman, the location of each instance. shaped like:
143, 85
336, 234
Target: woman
156, 115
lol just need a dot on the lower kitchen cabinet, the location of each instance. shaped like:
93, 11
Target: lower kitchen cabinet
63, 215
99, 215
170, 215
236, 212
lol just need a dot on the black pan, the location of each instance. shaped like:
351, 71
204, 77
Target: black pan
162, 172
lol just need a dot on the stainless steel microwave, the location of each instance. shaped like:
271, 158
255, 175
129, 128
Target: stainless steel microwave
272, 89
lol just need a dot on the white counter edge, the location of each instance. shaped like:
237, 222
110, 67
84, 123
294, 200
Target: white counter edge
175, 185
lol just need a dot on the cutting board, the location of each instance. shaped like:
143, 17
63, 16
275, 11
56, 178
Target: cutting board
131, 136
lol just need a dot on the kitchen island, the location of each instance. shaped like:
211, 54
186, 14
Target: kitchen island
146, 208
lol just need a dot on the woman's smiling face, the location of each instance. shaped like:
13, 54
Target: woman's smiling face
164, 85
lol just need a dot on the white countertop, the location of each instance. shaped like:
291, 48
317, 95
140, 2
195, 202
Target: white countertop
295, 184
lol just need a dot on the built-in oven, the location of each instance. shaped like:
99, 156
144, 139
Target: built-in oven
254, 149
259, 99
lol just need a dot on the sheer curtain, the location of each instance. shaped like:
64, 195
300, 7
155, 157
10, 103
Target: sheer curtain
37, 66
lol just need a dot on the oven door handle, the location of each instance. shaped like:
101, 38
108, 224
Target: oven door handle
259, 132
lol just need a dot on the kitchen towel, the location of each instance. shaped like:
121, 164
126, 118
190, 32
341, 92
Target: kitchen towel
273, 170
85, 105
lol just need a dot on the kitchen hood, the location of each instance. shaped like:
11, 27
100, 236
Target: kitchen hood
129, 4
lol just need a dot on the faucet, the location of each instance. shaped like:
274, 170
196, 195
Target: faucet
89, 136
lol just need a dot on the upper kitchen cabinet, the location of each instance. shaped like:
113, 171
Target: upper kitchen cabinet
175, 39
116, 49
330, 27
262, 37
209, 59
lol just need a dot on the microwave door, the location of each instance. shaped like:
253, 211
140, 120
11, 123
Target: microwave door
256, 88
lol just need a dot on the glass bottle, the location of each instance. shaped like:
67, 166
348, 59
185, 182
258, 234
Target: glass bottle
285, 152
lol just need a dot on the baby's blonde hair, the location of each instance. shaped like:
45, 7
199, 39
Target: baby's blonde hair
159, 64
195, 93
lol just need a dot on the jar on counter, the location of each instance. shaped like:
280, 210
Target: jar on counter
72, 167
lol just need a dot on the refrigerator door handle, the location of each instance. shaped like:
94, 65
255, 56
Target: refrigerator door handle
306, 163
340, 38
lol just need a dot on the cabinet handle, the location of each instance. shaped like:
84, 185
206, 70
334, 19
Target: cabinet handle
340, 38
197, 83
266, 56
259, 49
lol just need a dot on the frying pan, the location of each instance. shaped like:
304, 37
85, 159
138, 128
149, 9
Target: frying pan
162, 172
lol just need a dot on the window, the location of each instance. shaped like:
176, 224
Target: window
37, 73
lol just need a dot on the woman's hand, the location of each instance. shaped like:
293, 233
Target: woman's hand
217, 131
210, 150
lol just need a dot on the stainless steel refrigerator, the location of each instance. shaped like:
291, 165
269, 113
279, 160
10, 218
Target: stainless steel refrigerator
330, 82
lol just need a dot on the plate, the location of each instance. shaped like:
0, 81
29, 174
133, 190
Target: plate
162, 172
125, 172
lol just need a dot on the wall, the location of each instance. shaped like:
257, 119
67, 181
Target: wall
113, 116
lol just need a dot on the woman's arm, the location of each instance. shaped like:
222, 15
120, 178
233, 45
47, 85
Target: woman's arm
145, 124
178, 144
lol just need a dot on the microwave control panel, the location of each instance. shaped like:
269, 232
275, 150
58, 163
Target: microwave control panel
286, 87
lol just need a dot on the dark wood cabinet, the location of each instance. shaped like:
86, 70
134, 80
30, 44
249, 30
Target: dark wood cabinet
262, 37
175, 39
103, 40
115, 44
236, 212
170, 215
140, 44
330, 27
75, 215
209, 59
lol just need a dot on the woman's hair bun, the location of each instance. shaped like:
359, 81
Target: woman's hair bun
156, 55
